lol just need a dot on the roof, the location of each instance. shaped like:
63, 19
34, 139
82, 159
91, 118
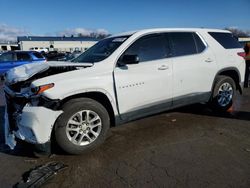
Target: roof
8, 43
51, 38
171, 30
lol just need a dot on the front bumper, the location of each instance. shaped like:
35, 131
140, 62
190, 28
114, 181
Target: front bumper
33, 124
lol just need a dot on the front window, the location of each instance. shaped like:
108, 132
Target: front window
7, 57
101, 50
149, 48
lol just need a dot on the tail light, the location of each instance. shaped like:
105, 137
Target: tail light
242, 54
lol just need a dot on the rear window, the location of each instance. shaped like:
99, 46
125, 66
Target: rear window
23, 57
227, 40
38, 55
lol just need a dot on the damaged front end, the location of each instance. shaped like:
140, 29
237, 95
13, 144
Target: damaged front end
29, 115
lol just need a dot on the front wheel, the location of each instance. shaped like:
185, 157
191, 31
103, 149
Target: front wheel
83, 125
223, 93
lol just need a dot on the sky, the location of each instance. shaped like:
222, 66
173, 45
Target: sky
66, 17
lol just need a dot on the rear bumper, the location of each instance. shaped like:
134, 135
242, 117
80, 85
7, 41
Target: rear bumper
33, 124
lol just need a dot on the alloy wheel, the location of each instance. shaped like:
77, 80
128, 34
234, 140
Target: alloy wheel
225, 94
84, 127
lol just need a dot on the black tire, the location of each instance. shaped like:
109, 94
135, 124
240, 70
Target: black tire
72, 107
215, 104
2, 126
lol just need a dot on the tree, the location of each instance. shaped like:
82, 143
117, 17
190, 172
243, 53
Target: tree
94, 35
238, 32
80, 35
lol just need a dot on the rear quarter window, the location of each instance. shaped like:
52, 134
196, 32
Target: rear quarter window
38, 55
227, 40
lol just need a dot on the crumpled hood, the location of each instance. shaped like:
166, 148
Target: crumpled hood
24, 72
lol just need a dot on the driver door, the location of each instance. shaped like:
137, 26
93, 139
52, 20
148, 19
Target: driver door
145, 87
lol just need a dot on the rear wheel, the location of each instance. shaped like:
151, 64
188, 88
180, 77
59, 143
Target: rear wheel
83, 125
223, 93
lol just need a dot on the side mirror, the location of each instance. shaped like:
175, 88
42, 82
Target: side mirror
130, 59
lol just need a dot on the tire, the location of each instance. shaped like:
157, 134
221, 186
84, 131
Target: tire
76, 134
2, 126
223, 93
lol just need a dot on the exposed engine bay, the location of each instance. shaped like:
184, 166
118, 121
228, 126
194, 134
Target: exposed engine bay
16, 87
21, 77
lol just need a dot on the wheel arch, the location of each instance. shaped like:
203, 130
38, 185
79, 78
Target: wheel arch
231, 72
100, 97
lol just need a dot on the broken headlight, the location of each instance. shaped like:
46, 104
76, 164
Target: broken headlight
40, 89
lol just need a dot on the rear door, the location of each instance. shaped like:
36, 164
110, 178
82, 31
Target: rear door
194, 67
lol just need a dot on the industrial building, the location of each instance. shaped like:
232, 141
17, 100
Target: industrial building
63, 44
244, 40
4, 46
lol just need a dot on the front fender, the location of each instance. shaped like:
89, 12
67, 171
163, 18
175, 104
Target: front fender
88, 92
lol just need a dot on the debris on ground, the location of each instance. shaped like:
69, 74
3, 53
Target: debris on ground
173, 120
39, 175
30, 161
247, 149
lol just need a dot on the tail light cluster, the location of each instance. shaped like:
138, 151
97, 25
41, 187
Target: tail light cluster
242, 54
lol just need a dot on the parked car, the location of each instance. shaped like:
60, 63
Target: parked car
120, 79
70, 56
55, 55
13, 59
41, 49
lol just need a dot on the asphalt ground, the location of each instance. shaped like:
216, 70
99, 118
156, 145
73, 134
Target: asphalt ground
188, 147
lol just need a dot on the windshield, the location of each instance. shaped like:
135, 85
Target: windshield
101, 50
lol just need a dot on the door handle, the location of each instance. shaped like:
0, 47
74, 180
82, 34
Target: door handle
208, 60
163, 67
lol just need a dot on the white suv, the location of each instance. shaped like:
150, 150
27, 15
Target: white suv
121, 78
